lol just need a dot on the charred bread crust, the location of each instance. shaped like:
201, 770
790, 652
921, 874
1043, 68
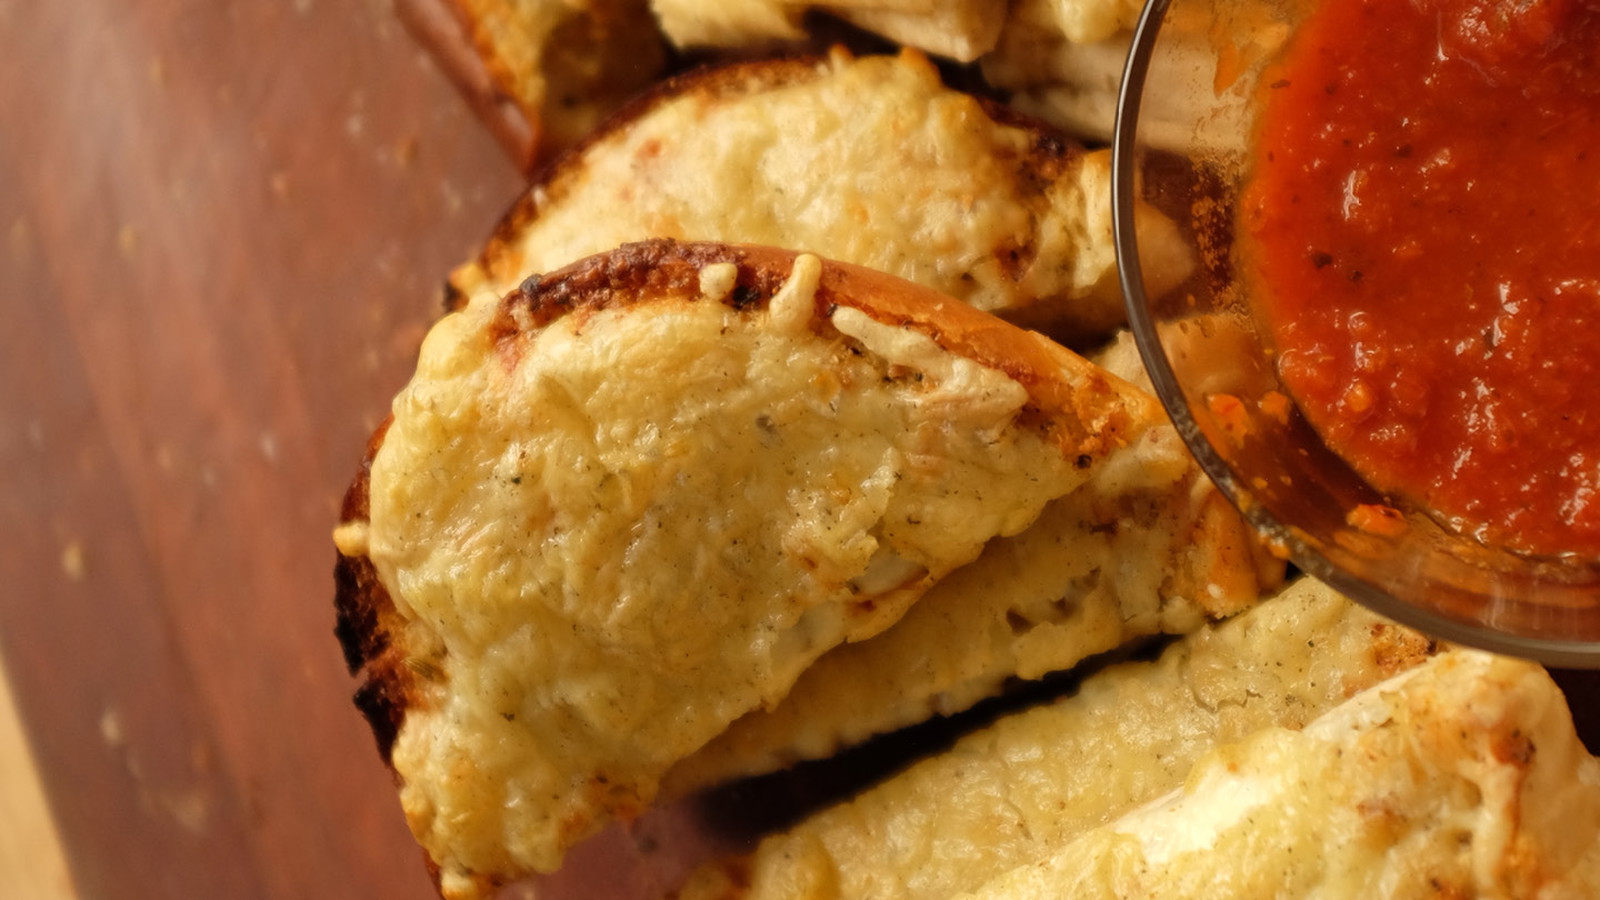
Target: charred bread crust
357, 594
366, 616
1051, 151
357, 603
366, 624
551, 181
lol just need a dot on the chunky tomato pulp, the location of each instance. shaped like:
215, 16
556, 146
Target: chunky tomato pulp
1422, 227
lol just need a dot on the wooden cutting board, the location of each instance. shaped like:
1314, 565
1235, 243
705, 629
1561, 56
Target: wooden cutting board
225, 225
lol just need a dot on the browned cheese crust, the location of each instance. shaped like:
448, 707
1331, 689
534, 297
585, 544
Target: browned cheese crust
662, 266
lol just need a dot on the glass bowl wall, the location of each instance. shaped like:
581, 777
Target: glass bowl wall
1182, 147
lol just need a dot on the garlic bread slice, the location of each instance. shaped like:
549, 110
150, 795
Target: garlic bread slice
632, 501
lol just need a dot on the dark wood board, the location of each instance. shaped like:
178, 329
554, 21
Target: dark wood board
225, 229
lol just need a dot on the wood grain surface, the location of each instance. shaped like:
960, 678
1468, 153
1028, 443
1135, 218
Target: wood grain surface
225, 226
224, 229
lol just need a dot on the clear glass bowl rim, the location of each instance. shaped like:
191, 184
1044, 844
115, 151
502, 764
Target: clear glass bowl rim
1564, 653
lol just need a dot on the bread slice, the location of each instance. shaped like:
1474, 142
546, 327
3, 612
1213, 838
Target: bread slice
630, 502
867, 160
1010, 793
1461, 778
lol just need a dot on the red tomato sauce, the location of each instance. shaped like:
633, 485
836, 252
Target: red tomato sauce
1422, 227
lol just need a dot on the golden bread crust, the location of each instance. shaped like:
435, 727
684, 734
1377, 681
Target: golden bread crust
1054, 377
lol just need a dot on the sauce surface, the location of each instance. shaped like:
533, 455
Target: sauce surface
1423, 230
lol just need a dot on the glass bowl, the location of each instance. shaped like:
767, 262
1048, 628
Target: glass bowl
1181, 147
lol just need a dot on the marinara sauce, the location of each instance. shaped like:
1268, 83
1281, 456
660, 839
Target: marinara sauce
1422, 226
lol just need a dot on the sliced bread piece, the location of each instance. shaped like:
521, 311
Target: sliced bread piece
632, 501
1461, 778
1010, 793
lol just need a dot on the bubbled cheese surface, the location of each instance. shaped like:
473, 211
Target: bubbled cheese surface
613, 535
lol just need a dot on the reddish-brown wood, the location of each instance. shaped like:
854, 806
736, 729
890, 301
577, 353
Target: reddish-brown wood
225, 226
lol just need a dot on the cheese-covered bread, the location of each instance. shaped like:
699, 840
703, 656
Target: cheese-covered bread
1147, 546
632, 501
1461, 778
1008, 794
869, 160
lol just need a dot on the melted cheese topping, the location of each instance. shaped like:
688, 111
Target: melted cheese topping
871, 161
613, 536
1147, 546
1010, 793
1461, 778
